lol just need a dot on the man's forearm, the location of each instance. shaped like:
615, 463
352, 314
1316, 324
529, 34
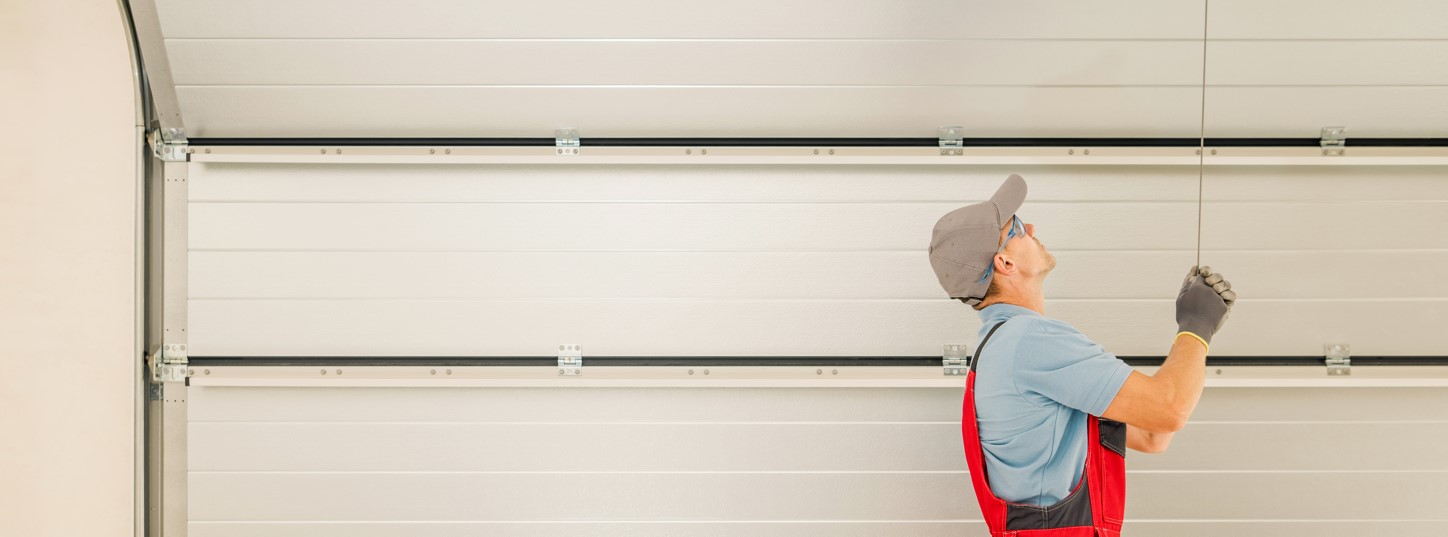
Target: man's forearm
1183, 373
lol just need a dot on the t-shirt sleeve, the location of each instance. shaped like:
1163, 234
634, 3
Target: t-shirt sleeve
1057, 362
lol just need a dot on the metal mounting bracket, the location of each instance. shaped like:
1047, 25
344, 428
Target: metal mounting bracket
570, 360
1339, 359
566, 141
1334, 141
169, 364
952, 141
956, 360
169, 145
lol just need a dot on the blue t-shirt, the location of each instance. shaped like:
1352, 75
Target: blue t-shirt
1038, 380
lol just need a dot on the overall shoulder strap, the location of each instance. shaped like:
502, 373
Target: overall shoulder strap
976, 359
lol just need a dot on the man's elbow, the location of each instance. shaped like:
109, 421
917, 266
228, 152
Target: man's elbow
1166, 422
1156, 444
1176, 420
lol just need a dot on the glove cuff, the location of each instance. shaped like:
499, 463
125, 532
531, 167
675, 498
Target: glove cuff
1208, 346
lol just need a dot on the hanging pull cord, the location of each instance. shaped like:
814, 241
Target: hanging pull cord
1202, 133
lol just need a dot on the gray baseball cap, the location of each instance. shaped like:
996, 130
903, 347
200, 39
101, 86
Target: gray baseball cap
965, 241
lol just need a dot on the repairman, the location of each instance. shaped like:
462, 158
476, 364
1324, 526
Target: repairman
1048, 413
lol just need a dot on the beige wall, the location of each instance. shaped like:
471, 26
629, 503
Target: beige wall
67, 270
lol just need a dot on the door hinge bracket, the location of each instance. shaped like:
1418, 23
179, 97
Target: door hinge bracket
169, 363
1339, 359
956, 360
566, 141
169, 145
570, 360
952, 141
1334, 141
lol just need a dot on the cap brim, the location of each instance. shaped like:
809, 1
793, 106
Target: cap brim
1009, 197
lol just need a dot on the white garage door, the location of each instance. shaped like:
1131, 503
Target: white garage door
344, 300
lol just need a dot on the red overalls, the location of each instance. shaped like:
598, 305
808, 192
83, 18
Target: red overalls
1094, 508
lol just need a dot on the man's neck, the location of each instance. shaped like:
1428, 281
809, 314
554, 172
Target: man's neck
1032, 301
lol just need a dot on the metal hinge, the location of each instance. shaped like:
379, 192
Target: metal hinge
952, 141
169, 145
1339, 359
570, 359
566, 141
956, 360
1334, 141
169, 363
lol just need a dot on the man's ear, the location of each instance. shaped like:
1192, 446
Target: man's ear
1004, 265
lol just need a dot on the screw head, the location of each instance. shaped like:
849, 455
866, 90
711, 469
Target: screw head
324, 371
691, 371
447, 151
339, 371
832, 151
432, 151
432, 372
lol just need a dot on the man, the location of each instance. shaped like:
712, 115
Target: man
1044, 406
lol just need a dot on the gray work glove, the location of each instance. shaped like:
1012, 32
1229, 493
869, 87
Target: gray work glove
1203, 303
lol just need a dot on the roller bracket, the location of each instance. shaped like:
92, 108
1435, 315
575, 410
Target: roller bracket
1334, 141
1339, 359
952, 141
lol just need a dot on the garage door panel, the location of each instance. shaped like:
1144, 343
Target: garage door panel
576, 62
789, 275
1327, 63
694, 111
651, 19
1324, 225
645, 275
755, 496
612, 496
1336, 19
754, 328
1301, 112
1205, 446
527, 405
559, 447
661, 226
213, 404
400, 183
1302, 184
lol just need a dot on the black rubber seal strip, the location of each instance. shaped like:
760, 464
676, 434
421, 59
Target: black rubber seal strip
815, 142
756, 361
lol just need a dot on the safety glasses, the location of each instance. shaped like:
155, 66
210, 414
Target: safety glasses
1018, 229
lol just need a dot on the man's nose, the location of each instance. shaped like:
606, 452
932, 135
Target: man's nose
1031, 229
